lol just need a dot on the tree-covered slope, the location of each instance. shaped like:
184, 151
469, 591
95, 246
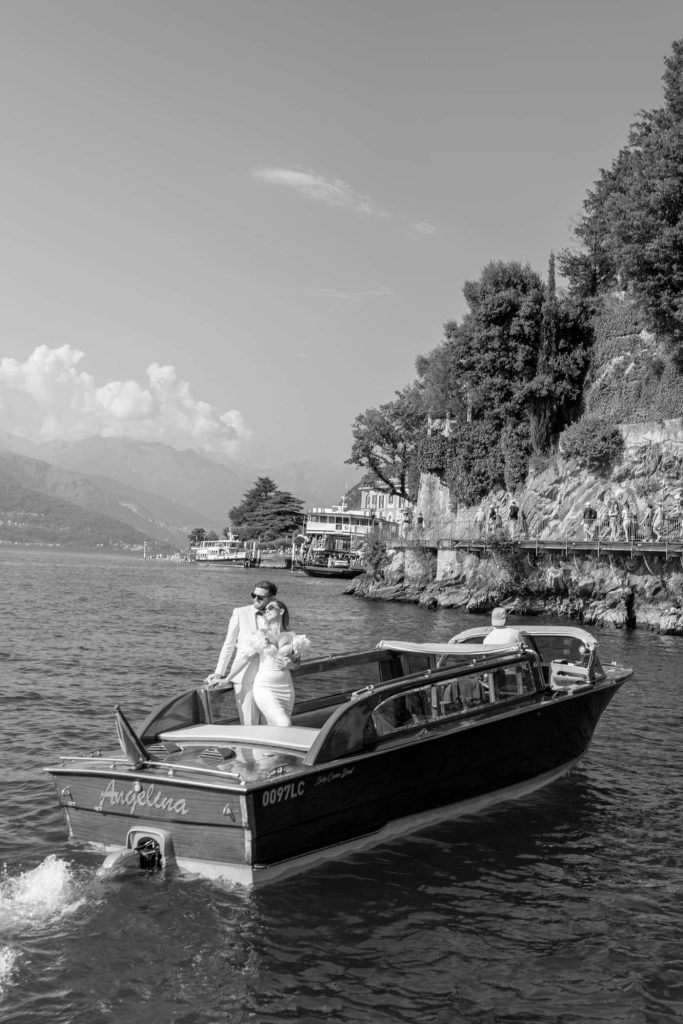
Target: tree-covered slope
31, 517
154, 517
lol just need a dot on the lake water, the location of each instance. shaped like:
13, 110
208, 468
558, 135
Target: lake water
564, 907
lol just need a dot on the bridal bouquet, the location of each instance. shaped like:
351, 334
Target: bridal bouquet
295, 648
255, 643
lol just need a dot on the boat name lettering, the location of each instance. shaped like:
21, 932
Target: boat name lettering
150, 798
288, 791
334, 776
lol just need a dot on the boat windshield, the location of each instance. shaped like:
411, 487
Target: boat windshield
571, 649
424, 704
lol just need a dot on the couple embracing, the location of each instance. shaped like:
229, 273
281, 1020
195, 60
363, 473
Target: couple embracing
264, 649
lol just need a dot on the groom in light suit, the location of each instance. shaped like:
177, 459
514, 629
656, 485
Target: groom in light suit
243, 623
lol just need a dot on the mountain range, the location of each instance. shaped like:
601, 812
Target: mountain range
118, 492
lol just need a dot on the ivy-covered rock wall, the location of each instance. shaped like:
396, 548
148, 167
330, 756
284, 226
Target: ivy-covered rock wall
632, 377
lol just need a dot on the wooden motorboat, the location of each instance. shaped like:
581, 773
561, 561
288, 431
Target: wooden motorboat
338, 571
396, 737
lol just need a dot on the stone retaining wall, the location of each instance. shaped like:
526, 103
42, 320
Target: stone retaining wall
654, 432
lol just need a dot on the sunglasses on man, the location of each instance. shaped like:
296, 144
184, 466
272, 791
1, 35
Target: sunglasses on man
259, 597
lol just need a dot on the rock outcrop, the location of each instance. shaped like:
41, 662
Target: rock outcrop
642, 591
585, 589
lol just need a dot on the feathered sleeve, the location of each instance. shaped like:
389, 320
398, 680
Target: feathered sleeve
301, 645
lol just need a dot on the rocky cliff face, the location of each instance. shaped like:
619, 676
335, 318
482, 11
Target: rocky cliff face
643, 591
555, 492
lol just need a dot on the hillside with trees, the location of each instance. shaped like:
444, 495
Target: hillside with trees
532, 365
32, 518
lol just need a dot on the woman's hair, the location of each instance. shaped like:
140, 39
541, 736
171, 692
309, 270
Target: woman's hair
285, 611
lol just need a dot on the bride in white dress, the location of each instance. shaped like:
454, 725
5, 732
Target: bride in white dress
277, 648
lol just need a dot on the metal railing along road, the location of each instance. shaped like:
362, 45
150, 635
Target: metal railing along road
540, 531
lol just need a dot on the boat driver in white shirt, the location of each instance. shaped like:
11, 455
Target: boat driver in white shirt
501, 633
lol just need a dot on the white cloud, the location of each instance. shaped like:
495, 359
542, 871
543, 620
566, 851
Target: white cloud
313, 186
336, 193
422, 227
48, 397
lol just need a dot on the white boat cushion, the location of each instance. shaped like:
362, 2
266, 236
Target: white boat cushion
290, 737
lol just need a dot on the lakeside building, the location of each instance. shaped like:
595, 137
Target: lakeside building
391, 508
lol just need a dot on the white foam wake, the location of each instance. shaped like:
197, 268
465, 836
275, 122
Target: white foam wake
29, 901
35, 897
8, 961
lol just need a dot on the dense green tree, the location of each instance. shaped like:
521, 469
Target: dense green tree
494, 354
508, 377
498, 341
443, 393
476, 462
266, 512
593, 442
252, 502
197, 536
284, 514
631, 230
552, 396
385, 441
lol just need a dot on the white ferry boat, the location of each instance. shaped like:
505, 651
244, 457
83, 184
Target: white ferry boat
226, 551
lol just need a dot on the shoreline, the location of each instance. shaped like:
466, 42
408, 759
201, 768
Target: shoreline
589, 591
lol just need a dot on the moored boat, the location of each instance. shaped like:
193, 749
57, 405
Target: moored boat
397, 737
227, 551
337, 569
331, 544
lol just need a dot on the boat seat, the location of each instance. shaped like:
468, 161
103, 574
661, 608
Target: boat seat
290, 737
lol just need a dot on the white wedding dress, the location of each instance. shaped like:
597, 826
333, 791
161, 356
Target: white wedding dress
273, 690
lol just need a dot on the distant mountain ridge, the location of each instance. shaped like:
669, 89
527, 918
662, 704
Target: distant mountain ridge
158, 491
148, 515
33, 517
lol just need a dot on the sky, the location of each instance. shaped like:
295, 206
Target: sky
235, 224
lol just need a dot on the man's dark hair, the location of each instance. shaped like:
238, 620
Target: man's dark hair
267, 585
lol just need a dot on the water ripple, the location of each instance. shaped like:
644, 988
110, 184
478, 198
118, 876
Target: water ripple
563, 908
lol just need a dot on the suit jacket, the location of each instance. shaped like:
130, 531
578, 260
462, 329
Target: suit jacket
242, 624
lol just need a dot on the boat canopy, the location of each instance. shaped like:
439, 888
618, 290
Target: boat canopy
582, 635
462, 650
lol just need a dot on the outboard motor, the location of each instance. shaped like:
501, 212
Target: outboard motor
149, 854
147, 849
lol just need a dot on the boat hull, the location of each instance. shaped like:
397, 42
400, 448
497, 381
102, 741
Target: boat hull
257, 833
224, 563
205, 822
364, 795
327, 572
